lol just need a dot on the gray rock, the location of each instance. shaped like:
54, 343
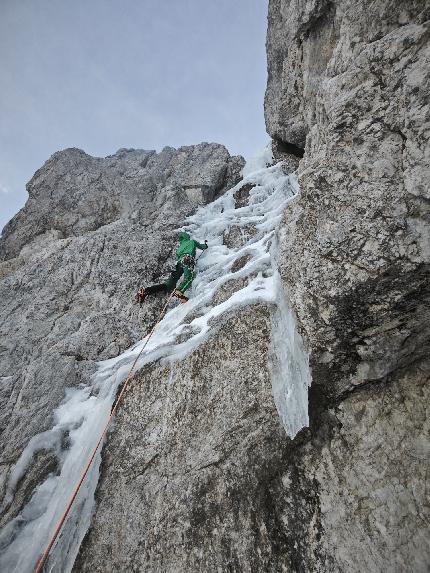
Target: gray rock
356, 243
74, 193
348, 85
92, 230
194, 491
198, 474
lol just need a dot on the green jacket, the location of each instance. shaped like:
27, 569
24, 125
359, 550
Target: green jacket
188, 246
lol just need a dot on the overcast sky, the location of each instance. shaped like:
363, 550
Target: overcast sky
106, 74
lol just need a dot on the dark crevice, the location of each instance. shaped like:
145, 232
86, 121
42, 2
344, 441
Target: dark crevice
286, 147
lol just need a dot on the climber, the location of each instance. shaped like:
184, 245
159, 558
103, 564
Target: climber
185, 254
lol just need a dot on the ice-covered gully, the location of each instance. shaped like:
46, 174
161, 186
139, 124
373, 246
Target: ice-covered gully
85, 410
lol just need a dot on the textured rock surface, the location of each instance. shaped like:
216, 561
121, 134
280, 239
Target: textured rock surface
212, 483
349, 84
202, 474
371, 480
353, 79
191, 474
91, 231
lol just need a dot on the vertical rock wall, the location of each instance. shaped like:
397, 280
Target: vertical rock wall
348, 87
191, 475
353, 79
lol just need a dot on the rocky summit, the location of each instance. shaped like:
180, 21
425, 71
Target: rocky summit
278, 421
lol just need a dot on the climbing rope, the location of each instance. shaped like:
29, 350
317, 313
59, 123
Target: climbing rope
99, 441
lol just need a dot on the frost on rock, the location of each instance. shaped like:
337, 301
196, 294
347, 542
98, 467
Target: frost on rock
259, 161
85, 410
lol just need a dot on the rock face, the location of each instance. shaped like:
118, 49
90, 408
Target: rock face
91, 232
203, 472
349, 87
359, 80
192, 475
211, 482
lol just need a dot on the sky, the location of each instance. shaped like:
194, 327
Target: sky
106, 74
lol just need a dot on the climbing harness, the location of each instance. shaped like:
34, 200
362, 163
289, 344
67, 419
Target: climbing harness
188, 261
99, 441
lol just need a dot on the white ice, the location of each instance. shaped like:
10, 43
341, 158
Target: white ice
85, 410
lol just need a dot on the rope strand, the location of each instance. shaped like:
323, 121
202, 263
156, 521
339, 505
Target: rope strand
130, 375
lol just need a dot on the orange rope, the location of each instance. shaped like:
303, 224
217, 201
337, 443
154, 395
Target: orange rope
102, 435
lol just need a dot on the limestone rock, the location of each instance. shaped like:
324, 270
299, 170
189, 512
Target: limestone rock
213, 484
92, 231
196, 456
348, 89
198, 474
356, 243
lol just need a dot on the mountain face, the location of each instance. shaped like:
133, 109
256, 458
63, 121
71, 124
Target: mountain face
348, 87
353, 81
92, 231
219, 459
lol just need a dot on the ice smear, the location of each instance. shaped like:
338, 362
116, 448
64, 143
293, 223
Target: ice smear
289, 366
258, 161
85, 410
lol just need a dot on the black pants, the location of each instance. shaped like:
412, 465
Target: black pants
170, 284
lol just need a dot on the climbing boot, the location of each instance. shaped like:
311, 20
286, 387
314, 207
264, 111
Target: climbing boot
180, 295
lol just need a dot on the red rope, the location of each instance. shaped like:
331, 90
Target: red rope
102, 435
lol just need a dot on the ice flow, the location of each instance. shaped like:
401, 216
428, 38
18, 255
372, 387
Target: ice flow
85, 410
